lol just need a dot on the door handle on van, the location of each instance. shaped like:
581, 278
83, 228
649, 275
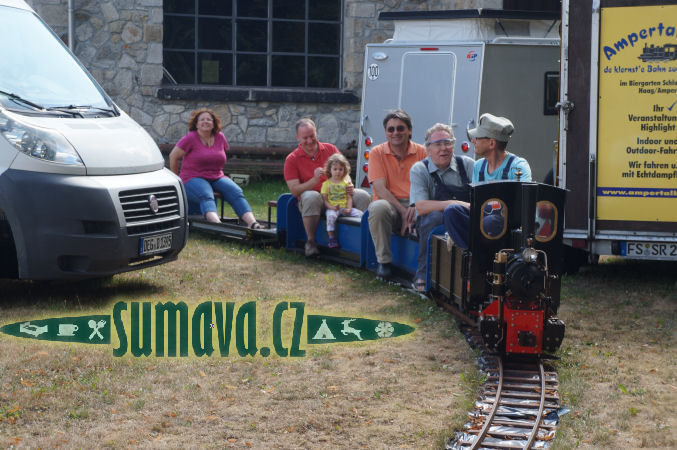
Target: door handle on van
471, 123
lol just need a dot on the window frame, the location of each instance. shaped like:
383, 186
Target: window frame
269, 54
550, 93
554, 218
503, 215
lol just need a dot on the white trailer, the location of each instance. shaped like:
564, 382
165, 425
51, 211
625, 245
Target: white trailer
452, 66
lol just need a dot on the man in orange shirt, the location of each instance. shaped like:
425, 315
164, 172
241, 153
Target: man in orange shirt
389, 165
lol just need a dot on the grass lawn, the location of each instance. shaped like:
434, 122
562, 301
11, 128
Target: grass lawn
258, 192
617, 367
411, 391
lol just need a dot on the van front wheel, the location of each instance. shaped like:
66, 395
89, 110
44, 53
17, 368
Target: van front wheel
9, 267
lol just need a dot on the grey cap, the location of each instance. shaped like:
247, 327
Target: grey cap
493, 127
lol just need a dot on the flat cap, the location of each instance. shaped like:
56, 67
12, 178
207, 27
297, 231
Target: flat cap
493, 127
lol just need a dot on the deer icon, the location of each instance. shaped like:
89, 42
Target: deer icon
348, 329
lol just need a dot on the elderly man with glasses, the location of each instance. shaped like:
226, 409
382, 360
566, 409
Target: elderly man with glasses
496, 163
438, 181
389, 165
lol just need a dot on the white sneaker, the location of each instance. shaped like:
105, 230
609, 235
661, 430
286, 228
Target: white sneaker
311, 249
450, 242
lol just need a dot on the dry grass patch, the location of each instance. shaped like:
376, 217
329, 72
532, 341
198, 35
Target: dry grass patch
619, 358
617, 371
404, 392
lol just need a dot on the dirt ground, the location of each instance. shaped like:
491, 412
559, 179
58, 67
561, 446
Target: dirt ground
617, 370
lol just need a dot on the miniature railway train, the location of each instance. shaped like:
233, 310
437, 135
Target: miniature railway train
507, 283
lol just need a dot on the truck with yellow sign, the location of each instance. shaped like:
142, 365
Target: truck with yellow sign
618, 118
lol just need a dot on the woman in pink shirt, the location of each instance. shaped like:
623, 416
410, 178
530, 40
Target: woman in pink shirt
203, 151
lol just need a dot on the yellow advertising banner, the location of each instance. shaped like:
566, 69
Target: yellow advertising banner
637, 141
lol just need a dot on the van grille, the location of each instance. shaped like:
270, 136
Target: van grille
140, 218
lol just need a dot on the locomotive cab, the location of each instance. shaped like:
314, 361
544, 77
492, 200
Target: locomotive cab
515, 265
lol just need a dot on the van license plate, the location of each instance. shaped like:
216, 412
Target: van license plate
155, 244
651, 250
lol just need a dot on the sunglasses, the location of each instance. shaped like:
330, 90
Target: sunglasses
399, 128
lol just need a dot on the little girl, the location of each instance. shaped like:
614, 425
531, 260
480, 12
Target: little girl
335, 196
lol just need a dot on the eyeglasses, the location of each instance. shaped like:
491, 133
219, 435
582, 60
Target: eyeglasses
399, 128
448, 143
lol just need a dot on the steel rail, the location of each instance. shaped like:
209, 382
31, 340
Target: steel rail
539, 416
490, 418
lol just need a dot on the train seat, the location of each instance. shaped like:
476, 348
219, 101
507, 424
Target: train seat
404, 250
349, 232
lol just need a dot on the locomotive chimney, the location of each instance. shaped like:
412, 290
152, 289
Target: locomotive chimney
529, 192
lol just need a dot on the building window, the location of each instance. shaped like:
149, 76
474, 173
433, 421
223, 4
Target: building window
253, 43
531, 5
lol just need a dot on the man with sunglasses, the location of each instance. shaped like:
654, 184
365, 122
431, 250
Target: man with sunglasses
496, 163
389, 165
436, 182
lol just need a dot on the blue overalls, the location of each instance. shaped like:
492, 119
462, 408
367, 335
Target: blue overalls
457, 217
426, 222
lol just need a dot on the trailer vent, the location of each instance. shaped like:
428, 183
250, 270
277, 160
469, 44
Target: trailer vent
150, 210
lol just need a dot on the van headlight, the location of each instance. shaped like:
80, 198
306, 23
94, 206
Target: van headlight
42, 143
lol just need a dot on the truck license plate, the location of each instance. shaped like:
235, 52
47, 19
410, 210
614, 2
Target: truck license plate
650, 250
155, 244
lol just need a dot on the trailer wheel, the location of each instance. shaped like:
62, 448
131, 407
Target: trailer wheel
574, 258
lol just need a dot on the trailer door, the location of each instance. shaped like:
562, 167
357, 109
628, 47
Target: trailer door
427, 88
422, 80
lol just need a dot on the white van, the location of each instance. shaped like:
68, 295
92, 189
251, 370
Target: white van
83, 188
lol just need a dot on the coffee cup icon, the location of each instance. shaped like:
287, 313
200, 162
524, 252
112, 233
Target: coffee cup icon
67, 329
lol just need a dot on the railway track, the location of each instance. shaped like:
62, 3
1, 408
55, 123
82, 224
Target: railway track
517, 408
519, 405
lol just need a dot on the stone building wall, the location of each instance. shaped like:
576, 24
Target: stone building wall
120, 43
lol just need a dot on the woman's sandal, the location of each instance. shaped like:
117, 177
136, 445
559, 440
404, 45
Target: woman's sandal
418, 286
255, 226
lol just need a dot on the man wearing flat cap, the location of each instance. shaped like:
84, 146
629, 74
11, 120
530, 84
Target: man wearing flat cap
490, 139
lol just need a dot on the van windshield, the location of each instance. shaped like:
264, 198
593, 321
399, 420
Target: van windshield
37, 72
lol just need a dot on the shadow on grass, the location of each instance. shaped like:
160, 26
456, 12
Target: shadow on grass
56, 295
616, 282
626, 271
